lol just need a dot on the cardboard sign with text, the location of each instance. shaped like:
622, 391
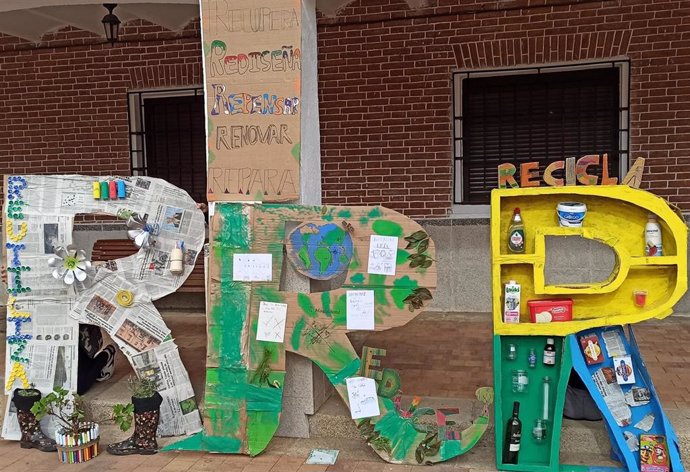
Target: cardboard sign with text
252, 71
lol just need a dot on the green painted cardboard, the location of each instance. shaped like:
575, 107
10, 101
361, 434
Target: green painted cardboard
533, 457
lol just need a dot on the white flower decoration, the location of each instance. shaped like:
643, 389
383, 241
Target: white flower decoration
140, 231
70, 264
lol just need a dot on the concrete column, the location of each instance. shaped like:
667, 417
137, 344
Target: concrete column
306, 387
310, 169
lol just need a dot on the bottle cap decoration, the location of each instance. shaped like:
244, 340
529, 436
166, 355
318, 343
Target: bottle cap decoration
70, 265
140, 231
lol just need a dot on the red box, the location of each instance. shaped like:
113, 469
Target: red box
560, 309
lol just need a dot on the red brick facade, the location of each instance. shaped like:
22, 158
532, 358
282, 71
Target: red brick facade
386, 96
64, 101
384, 88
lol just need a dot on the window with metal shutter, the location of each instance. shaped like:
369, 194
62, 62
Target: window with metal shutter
540, 117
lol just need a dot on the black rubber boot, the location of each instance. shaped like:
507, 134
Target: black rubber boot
143, 441
32, 436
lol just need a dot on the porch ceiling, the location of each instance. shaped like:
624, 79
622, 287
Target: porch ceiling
31, 19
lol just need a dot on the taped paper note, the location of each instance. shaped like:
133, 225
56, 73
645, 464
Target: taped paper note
646, 423
632, 441
361, 393
614, 343
252, 267
322, 456
271, 326
360, 309
383, 251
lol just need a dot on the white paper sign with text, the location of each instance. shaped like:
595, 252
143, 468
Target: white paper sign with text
360, 309
364, 403
271, 325
252, 267
383, 251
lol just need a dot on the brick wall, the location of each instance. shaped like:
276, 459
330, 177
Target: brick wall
64, 101
385, 86
385, 89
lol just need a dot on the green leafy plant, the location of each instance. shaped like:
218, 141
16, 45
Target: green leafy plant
373, 437
67, 408
140, 387
263, 370
28, 392
416, 299
419, 241
429, 446
123, 415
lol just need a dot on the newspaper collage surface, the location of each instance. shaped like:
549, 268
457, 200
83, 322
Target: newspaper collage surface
44, 313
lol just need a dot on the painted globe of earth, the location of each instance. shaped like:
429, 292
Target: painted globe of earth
320, 252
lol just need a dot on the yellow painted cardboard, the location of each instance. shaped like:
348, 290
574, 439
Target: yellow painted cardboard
616, 216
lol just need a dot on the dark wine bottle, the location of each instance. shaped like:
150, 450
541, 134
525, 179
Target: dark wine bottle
550, 353
511, 446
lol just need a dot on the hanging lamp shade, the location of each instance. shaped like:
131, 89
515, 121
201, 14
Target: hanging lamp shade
111, 24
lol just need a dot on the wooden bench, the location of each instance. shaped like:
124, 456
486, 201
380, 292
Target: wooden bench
109, 249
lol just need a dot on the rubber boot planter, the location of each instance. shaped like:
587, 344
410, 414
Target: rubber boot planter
143, 441
32, 436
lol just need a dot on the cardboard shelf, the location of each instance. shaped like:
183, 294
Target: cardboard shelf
616, 216
533, 456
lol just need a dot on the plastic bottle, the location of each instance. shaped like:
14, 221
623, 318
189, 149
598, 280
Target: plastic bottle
112, 190
105, 190
652, 238
532, 358
121, 189
516, 233
96, 190
177, 259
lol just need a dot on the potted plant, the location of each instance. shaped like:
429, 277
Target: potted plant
77, 438
144, 411
32, 436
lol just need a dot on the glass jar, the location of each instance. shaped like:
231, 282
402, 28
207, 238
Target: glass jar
520, 381
539, 430
511, 352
